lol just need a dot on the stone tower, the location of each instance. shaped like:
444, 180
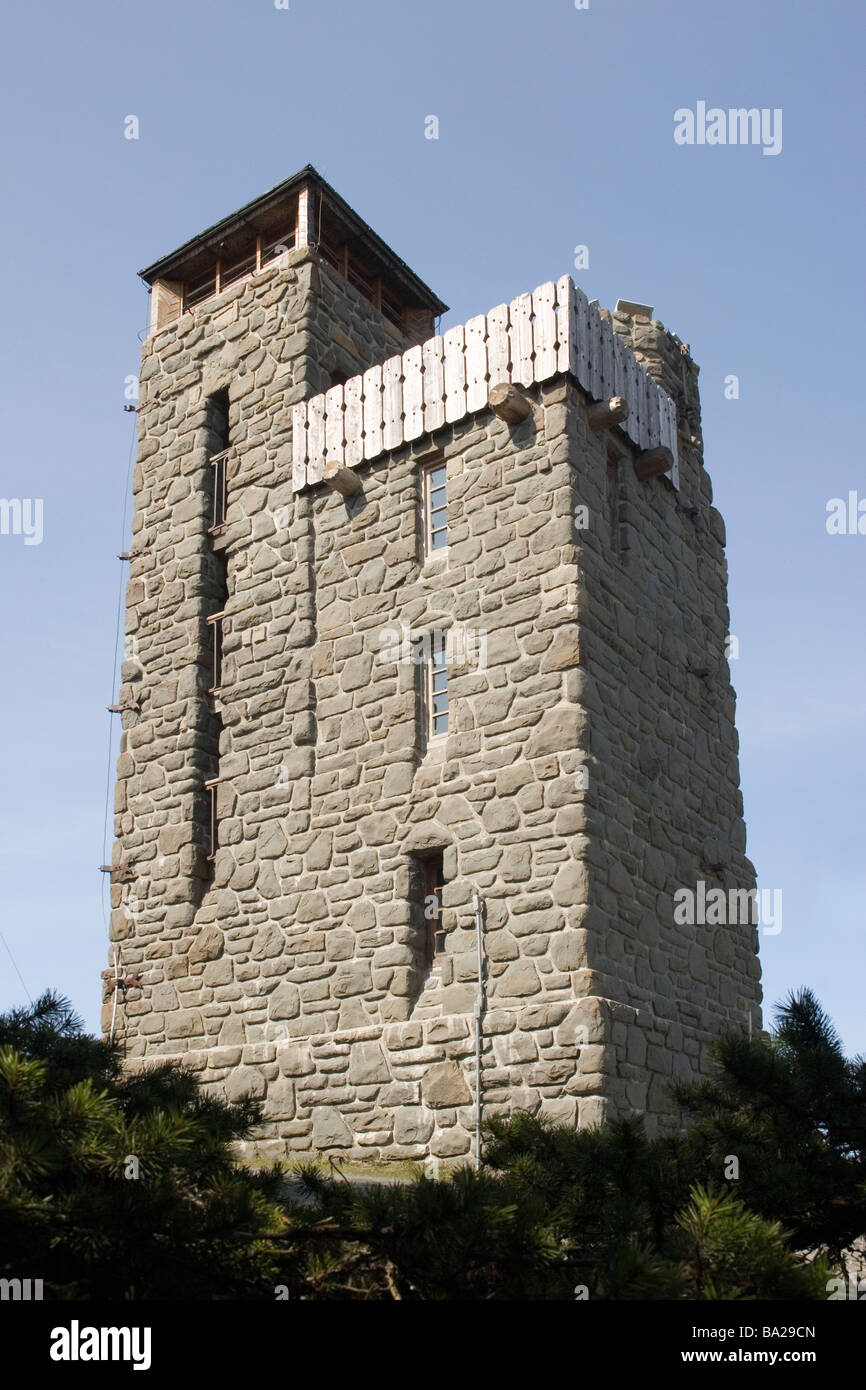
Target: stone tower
425, 667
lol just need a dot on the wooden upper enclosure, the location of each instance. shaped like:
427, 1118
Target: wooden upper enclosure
302, 211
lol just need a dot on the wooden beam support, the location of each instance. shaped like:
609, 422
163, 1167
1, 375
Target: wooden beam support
651, 463
341, 479
606, 413
124, 870
509, 403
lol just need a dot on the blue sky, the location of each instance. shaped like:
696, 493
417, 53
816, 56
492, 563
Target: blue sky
555, 129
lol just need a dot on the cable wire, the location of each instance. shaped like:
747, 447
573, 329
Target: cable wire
15, 967
108, 778
118, 617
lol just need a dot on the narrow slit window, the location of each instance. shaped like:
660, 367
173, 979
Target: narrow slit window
434, 882
436, 685
217, 445
219, 463
213, 819
215, 624
435, 505
217, 422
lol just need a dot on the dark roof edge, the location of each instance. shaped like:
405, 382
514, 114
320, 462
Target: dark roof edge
162, 268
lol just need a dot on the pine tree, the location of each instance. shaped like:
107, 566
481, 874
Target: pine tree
117, 1186
605, 1213
791, 1110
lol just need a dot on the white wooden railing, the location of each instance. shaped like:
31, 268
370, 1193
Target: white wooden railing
555, 329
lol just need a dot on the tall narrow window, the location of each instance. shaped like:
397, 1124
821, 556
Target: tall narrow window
434, 882
213, 598
435, 684
217, 445
213, 819
435, 509
217, 422
215, 624
218, 485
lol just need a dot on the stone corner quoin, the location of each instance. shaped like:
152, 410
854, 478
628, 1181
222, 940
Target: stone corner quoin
288, 825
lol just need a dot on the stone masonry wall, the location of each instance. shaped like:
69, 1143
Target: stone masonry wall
663, 804
586, 772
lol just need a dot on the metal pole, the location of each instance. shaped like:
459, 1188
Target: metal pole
479, 1010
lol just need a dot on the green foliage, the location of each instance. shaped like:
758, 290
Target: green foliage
727, 1252
460, 1239
50, 1031
191, 1225
632, 1222
553, 1213
793, 1112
